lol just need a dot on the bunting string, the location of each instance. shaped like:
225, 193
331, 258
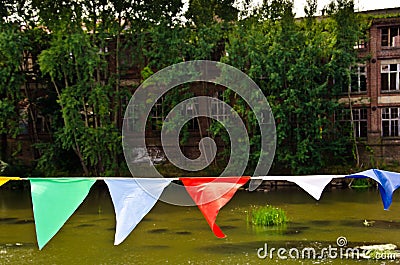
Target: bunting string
54, 200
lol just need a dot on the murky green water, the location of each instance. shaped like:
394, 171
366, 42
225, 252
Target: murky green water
180, 235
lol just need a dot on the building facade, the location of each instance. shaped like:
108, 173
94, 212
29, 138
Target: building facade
374, 94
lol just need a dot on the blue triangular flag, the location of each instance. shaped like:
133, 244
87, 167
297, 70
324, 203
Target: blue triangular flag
388, 183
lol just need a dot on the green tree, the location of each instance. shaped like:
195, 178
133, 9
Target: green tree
86, 48
90, 51
12, 44
348, 28
292, 62
205, 12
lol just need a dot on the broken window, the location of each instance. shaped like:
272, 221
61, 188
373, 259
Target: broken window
390, 37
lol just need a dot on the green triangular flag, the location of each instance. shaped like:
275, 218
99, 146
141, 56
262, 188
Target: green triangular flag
54, 201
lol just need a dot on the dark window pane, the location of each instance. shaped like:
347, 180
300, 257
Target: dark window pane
385, 37
363, 83
394, 113
395, 128
356, 115
385, 113
364, 114
354, 82
393, 81
393, 67
394, 31
385, 128
193, 125
363, 129
384, 81
356, 128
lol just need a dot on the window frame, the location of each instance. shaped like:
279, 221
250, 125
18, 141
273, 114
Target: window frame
219, 109
194, 107
360, 120
130, 118
389, 72
359, 75
393, 129
388, 37
157, 115
361, 44
362, 114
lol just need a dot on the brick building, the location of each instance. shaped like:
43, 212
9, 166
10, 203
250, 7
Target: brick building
375, 90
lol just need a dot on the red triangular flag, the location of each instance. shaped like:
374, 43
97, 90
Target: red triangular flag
211, 194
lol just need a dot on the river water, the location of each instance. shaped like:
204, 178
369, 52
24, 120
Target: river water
180, 235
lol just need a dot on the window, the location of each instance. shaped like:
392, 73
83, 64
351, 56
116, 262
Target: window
360, 44
360, 121
28, 64
390, 121
192, 109
358, 79
390, 77
41, 126
390, 37
130, 118
157, 115
360, 118
218, 108
126, 58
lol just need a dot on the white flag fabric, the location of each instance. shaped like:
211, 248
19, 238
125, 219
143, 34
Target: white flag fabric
133, 199
312, 184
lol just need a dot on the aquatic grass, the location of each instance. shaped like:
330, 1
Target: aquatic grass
268, 216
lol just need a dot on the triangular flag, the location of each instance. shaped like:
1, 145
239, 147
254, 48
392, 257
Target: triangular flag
133, 199
312, 184
388, 183
211, 194
3, 180
54, 201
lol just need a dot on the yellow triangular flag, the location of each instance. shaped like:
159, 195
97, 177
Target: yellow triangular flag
5, 179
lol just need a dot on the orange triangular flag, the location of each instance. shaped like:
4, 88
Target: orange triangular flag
211, 194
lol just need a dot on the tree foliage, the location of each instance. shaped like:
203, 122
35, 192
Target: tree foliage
294, 63
12, 45
84, 48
